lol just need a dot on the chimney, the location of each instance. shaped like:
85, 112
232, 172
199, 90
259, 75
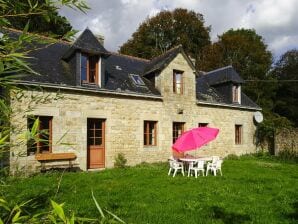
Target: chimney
100, 38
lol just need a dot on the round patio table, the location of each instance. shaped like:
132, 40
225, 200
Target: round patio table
195, 159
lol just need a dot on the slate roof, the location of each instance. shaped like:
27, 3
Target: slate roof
208, 91
223, 75
57, 67
88, 43
118, 68
160, 62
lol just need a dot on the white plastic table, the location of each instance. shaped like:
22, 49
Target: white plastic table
195, 159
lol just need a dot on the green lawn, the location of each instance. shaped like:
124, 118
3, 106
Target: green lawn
251, 190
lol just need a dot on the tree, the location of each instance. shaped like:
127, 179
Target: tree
166, 30
45, 20
246, 51
286, 99
14, 52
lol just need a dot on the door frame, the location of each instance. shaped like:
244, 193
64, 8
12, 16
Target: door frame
103, 144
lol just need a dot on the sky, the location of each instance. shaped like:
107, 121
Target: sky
275, 20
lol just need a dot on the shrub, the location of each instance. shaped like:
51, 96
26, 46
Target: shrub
120, 161
232, 157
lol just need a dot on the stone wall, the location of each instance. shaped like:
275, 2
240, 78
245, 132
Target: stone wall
125, 118
286, 139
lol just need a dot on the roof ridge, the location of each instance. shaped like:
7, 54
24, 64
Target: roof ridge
219, 69
130, 56
37, 34
170, 50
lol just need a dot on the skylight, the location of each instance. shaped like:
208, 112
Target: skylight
137, 80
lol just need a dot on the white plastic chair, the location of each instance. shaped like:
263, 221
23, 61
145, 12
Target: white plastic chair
196, 167
215, 158
175, 165
214, 167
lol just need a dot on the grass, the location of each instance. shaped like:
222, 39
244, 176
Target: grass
251, 190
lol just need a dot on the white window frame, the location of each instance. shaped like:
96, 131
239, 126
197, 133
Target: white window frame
238, 89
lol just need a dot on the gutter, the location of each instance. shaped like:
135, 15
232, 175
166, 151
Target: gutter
86, 90
229, 106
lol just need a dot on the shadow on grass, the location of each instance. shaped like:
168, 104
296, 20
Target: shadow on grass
38, 203
229, 217
294, 215
58, 169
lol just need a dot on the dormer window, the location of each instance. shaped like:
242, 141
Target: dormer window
236, 94
178, 82
89, 68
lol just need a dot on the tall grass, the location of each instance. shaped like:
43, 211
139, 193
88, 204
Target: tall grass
251, 190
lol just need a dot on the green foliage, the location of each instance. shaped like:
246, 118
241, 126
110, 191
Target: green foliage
20, 213
232, 157
247, 52
266, 130
42, 15
166, 30
13, 55
120, 161
146, 194
286, 99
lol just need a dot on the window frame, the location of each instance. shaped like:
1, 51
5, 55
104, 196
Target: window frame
88, 69
236, 94
238, 134
175, 72
137, 80
147, 133
36, 147
175, 134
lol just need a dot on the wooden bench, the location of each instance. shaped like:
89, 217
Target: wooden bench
43, 158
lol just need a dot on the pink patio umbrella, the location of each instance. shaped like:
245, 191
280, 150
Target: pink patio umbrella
195, 138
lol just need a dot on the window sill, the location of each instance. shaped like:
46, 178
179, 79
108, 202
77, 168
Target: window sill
90, 85
150, 147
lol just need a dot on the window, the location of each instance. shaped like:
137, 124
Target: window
238, 134
178, 82
137, 80
89, 68
43, 135
178, 128
203, 125
95, 132
150, 133
236, 94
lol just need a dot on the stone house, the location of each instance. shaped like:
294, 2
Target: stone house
102, 103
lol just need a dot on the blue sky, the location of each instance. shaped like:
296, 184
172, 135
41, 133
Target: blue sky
275, 20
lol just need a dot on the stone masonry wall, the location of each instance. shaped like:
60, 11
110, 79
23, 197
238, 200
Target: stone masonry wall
125, 119
286, 139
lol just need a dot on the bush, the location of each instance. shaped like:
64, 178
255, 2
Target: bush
120, 161
232, 157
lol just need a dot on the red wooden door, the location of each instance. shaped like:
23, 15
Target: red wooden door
95, 143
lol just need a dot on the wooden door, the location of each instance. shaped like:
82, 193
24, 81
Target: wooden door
95, 143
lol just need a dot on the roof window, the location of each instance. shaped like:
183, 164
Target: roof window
137, 80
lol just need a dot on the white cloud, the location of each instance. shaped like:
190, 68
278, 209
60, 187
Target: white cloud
275, 20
